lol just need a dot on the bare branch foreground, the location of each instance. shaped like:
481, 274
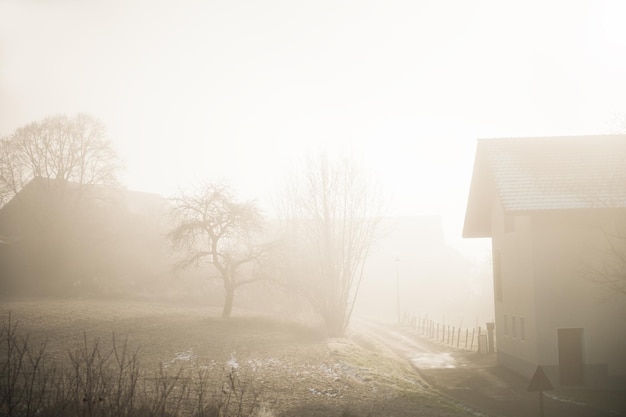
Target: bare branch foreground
111, 383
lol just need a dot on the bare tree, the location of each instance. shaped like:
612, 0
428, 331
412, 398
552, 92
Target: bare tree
331, 211
607, 266
50, 170
11, 174
62, 148
211, 226
604, 255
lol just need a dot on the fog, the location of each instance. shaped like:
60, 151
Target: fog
242, 91
215, 109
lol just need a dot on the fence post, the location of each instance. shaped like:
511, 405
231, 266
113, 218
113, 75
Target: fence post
453, 336
458, 338
472, 343
466, 334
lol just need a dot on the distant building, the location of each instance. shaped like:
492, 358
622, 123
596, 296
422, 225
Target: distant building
410, 261
555, 209
67, 239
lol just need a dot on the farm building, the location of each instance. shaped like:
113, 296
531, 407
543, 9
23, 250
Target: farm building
69, 239
555, 210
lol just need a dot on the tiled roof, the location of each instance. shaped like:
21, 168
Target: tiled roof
551, 173
558, 173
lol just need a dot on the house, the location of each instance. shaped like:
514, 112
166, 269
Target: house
68, 239
555, 210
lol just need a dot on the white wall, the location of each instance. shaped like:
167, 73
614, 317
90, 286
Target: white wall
516, 339
567, 298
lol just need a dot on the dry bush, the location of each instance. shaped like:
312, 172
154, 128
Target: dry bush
110, 382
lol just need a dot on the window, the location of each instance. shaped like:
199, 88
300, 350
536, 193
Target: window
497, 275
514, 326
522, 330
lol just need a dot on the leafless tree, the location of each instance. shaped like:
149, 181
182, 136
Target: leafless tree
331, 210
62, 161
608, 264
11, 174
604, 255
211, 226
68, 149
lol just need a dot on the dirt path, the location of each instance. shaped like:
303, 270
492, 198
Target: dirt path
474, 381
420, 353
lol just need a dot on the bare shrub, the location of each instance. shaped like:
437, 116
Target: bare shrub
109, 382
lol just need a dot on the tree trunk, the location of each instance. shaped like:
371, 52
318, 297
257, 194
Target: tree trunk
228, 302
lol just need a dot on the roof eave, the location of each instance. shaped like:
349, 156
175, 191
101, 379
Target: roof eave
480, 199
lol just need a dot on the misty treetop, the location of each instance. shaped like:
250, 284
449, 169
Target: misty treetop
75, 222
212, 226
66, 148
71, 229
332, 209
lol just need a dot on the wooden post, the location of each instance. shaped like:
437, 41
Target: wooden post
452, 336
472, 344
458, 338
466, 334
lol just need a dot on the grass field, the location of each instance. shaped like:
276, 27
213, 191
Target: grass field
276, 367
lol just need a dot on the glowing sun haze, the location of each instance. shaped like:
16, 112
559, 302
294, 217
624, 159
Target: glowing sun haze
243, 90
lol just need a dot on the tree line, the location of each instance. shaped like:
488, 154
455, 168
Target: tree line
328, 214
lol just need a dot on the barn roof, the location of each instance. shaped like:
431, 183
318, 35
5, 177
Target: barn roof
38, 194
545, 174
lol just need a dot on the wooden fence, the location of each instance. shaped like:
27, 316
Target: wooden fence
457, 337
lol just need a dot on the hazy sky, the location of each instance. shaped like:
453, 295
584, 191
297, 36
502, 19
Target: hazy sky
243, 89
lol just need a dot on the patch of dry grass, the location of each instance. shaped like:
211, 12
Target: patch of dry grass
292, 368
